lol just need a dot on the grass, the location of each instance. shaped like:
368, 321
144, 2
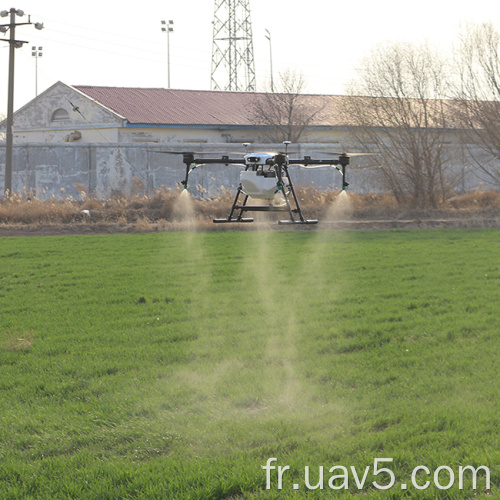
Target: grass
174, 365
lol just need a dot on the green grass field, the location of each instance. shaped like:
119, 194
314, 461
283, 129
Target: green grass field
175, 365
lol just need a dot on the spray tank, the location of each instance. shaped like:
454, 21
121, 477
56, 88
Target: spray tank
259, 179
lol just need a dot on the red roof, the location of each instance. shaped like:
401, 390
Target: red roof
194, 107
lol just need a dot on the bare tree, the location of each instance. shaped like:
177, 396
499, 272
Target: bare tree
397, 112
478, 96
2, 134
287, 112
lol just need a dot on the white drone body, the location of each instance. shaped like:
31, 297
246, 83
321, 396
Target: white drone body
259, 179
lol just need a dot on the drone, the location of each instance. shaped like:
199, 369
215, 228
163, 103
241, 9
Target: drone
266, 177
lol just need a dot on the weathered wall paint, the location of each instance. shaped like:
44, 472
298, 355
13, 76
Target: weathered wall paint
64, 170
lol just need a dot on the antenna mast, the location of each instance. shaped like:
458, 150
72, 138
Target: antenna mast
233, 66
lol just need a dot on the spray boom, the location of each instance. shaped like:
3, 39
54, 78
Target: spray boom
266, 176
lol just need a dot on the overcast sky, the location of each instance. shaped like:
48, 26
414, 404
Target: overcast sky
104, 43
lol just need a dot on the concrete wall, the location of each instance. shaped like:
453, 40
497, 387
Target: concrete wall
64, 170
103, 133
140, 134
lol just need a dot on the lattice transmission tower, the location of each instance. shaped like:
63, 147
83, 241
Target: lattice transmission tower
233, 66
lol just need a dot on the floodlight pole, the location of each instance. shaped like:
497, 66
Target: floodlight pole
168, 28
36, 53
13, 44
268, 36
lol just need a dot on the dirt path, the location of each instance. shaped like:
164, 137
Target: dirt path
360, 224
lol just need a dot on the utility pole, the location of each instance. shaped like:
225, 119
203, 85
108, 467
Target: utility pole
233, 66
13, 44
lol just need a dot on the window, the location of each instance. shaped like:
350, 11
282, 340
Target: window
60, 115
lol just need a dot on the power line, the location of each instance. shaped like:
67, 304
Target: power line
123, 54
106, 39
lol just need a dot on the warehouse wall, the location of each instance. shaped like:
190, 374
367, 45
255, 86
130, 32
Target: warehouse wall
63, 170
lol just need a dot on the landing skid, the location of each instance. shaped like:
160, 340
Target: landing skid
222, 221
309, 221
291, 206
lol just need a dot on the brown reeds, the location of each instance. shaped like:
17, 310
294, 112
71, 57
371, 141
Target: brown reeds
157, 212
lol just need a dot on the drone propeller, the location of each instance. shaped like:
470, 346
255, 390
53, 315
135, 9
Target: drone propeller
317, 166
213, 153
170, 152
344, 153
365, 167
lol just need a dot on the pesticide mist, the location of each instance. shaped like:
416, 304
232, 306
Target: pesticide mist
340, 208
255, 300
183, 211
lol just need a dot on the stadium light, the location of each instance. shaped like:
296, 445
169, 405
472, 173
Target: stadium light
36, 53
168, 28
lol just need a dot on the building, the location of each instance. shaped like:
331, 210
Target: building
88, 114
106, 140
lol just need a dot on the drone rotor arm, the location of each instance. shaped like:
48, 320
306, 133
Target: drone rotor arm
224, 160
340, 164
307, 161
192, 163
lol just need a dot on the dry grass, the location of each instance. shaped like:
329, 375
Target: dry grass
476, 199
15, 342
159, 212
